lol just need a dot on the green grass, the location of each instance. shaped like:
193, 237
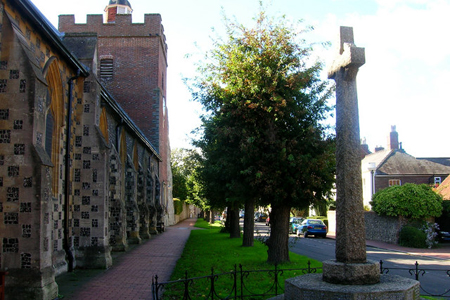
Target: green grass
208, 248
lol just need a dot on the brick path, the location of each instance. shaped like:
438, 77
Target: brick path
131, 277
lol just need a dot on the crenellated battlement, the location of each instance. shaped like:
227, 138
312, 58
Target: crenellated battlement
123, 26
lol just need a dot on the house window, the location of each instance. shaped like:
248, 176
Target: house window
437, 181
393, 182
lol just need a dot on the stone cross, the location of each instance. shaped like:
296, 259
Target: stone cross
350, 227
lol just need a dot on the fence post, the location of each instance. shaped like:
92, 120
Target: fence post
242, 282
212, 283
186, 286
276, 279
154, 287
235, 281
417, 270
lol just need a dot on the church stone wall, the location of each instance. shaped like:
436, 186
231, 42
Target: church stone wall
68, 196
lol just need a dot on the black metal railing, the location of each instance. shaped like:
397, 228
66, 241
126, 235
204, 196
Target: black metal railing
417, 273
238, 280
236, 284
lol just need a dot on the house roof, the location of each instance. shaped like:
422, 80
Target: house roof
399, 162
444, 188
440, 160
377, 157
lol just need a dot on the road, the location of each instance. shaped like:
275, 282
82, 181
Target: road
434, 280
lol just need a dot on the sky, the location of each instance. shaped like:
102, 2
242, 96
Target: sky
403, 82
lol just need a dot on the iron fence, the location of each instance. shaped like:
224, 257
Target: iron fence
417, 273
238, 279
239, 282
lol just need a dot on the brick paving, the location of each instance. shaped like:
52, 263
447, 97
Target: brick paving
131, 276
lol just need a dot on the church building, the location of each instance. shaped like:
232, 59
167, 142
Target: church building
84, 147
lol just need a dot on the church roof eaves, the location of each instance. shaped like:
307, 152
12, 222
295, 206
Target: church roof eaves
50, 32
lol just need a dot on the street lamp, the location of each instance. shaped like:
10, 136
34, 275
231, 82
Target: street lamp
372, 167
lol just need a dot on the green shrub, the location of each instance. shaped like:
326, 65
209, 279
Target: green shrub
178, 206
412, 237
410, 200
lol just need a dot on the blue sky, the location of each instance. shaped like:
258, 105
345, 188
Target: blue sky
403, 83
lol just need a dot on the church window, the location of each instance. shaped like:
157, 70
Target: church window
106, 68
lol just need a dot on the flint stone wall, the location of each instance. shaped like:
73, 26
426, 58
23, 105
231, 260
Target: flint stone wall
383, 228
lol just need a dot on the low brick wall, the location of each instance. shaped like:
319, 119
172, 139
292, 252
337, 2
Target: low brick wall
383, 228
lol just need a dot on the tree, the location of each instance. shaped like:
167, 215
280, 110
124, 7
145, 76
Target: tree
409, 200
266, 106
186, 183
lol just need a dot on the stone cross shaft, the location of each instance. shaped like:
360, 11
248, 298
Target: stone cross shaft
350, 227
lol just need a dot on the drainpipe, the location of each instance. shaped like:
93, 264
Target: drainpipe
67, 243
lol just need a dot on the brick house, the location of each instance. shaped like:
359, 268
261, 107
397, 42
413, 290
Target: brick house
393, 166
79, 177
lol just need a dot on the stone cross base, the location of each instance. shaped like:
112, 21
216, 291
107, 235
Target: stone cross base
351, 273
390, 287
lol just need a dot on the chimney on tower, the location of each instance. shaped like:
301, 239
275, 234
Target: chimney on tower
393, 139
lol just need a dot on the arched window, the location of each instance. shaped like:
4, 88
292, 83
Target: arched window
104, 124
54, 119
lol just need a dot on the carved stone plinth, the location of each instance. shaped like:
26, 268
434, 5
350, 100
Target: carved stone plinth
351, 273
390, 287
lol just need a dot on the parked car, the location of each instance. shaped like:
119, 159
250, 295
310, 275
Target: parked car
241, 214
312, 227
260, 217
444, 236
294, 223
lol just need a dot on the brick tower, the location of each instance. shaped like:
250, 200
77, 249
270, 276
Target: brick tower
132, 65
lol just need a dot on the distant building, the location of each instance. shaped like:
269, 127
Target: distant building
393, 166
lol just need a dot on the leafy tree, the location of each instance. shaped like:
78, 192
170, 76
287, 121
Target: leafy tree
409, 200
265, 106
186, 183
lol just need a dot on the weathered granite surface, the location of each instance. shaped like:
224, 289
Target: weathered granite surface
350, 227
390, 287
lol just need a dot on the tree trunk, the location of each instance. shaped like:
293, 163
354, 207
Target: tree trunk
249, 223
235, 231
211, 216
206, 216
278, 241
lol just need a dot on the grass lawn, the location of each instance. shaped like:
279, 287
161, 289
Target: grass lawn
208, 248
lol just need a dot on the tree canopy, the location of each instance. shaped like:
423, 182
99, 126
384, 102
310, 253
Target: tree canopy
409, 200
263, 136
